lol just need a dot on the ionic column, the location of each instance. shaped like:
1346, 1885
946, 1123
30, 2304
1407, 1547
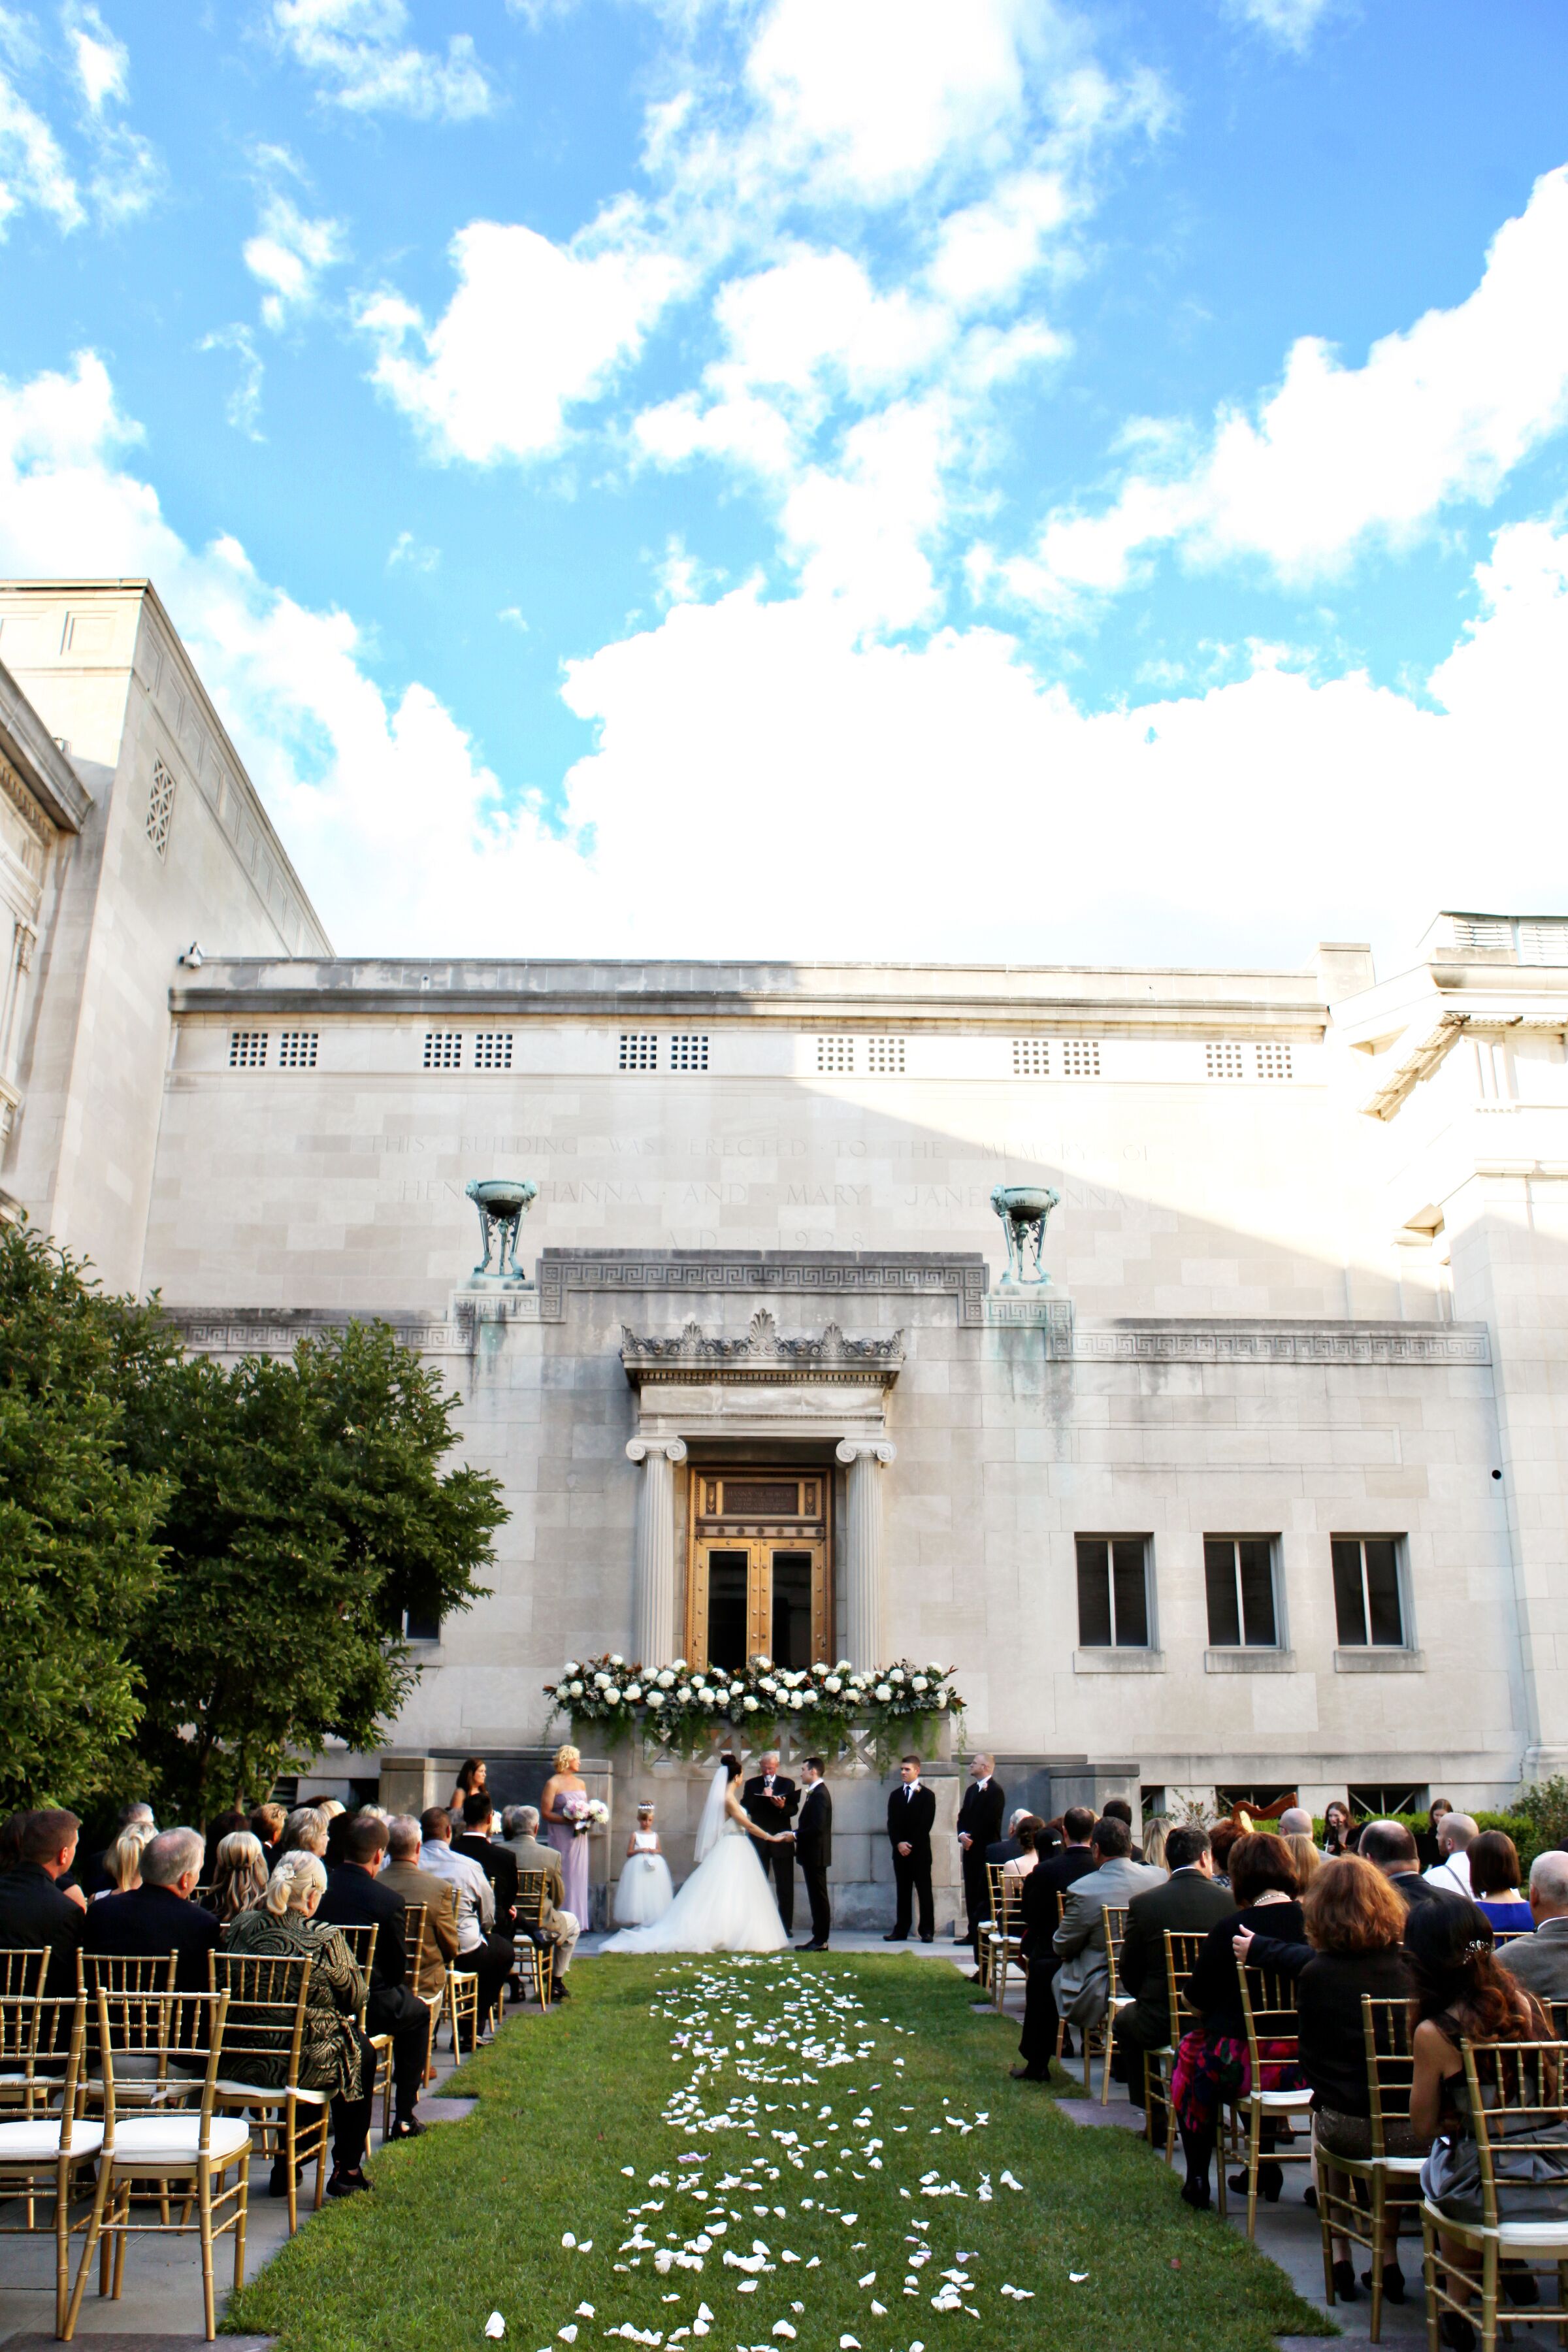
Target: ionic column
653, 1583
860, 1558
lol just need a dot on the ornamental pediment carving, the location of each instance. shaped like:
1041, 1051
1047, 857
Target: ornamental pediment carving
763, 1353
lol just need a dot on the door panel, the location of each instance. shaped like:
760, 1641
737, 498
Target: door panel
790, 1577
757, 1578
728, 1582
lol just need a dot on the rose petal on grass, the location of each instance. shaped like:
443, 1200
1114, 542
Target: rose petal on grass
495, 2325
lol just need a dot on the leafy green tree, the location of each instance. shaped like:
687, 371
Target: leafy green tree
308, 1511
79, 1559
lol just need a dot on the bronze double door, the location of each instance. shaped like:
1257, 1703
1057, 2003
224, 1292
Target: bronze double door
758, 1555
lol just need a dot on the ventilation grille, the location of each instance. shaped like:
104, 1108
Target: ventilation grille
1223, 1061
836, 1054
885, 1056
1543, 942
687, 1053
1081, 1058
297, 1049
492, 1049
1273, 1061
1495, 935
639, 1050
247, 1049
160, 808
1031, 1057
443, 1049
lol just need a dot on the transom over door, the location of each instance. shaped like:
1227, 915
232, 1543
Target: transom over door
758, 1568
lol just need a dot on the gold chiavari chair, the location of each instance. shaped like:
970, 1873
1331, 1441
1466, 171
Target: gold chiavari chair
197, 2147
145, 1982
22, 1974
1098, 2040
1006, 1943
361, 1942
533, 1887
1268, 2008
41, 2155
1363, 2218
1516, 2092
415, 1931
1183, 1946
264, 2031
987, 1928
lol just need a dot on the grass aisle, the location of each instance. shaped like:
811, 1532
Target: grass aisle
765, 2154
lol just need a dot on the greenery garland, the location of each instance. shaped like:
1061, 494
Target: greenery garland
682, 1705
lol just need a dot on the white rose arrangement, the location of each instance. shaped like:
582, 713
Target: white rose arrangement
680, 1704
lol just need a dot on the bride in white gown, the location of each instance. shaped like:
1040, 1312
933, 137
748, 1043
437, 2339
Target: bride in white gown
727, 1904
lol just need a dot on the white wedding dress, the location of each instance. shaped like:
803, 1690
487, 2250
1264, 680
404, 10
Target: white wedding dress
726, 1905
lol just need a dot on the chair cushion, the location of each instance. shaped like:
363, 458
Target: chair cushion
163, 2139
26, 2143
1297, 2102
263, 2095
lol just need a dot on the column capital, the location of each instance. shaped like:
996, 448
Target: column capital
669, 1449
862, 1449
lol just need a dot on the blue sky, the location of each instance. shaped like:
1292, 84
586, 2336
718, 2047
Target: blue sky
825, 477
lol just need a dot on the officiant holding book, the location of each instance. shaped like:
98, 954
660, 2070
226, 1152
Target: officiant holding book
771, 1799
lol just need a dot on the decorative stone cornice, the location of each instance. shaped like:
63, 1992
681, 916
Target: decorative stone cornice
1182, 1342
959, 1274
762, 1355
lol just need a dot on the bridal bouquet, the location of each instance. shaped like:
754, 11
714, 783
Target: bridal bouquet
682, 1704
585, 1814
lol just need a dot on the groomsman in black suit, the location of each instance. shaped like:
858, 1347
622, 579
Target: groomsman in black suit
814, 1852
912, 1811
978, 1825
771, 1801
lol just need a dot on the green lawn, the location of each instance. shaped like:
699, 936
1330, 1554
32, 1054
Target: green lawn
469, 2220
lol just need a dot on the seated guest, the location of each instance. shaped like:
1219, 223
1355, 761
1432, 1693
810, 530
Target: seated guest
498, 1862
224, 1826
1041, 1901
1006, 1849
1222, 1837
122, 1861
1426, 1848
490, 1957
1494, 1883
1295, 1821
1463, 1994
1083, 1990
1336, 1830
404, 1877
266, 1824
1450, 1874
1355, 1926
1117, 1809
1305, 1856
1540, 1961
1156, 1832
1389, 1847
1029, 1826
240, 1878
1188, 1901
36, 1912
356, 1897
1213, 2067
334, 2056
560, 1925
328, 1807
93, 1873
159, 1916
305, 1831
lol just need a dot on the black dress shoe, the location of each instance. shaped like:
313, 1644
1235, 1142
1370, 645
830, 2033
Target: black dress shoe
348, 2184
1196, 2192
811, 1947
1393, 2283
1345, 2281
277, 2181
1029, 2075
406, 2127
1270, 2181
899, 1936
559, 1990
928, 1940
1456, 2331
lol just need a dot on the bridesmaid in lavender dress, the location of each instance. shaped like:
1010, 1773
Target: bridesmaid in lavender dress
564, 1784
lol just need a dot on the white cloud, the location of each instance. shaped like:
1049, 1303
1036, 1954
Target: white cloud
407, 554
290, 254
1291, 23
243, 406
356, 52
33, 167
101, 60
908, 763
1341, 457
987, 250
534, 329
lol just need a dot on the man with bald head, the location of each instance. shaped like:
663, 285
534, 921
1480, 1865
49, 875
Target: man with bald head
979, 1826
1457, 1833
1540, 1961
1295, 1821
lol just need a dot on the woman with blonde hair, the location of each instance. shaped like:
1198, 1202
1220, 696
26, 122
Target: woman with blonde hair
1306, 1859
122, 1861
1156, 1830
564, 1805
240, 1883
334, 2056
304, 1831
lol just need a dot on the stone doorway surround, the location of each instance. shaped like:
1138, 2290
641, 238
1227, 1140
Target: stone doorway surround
763, 1391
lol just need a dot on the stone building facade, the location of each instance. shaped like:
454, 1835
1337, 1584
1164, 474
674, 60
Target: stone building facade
1266, 1487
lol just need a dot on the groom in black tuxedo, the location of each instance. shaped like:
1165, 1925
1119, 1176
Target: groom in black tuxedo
814, 1851
770, 1800
912, 1811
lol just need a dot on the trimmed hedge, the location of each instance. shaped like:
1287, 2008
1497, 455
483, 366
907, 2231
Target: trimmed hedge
1525, 1833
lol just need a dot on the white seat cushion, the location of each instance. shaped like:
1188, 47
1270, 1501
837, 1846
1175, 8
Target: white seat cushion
1294, 2102
24, 2143
164, 2140
259, 2094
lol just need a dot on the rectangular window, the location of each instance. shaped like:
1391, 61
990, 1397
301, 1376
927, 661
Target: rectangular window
1238, 1572
1081, 1058
836, 1054
492, 1049
297, 1049
687, 1053
443, 1049
421, 1625
639, 1050
1113, 1592
1369, 1803
160, 808
1273, 1061
885, 1056
1031, 1057
1223, 1061
247, 1049
1368, 1609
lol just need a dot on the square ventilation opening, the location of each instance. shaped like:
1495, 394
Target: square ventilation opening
885, 1056
639, 1050
297, 1049
836, 1054
492, 1049
1031, 1057
1223, 1061
443, 1049
1273, 1061
687, 1053
247, 1049
1081, 1058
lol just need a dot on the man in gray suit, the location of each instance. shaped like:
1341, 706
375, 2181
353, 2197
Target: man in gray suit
1082, 1983
521, 1825
1540, 1961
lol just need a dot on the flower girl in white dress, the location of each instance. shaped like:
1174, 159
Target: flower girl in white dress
645, 1891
